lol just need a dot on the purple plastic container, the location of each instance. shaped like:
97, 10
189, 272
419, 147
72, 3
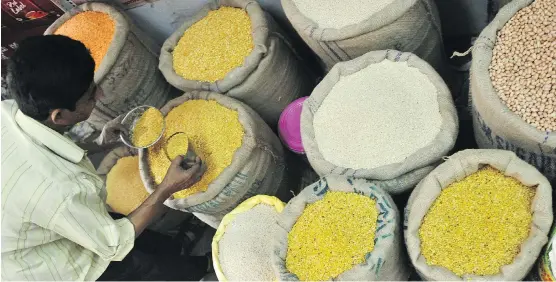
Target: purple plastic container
289, 126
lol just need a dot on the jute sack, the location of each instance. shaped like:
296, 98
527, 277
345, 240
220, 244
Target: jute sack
257, 166
271, 76
127, 75
495, 125
170, 222
408, 26
457, 167
385, 262
394, 178
230, 217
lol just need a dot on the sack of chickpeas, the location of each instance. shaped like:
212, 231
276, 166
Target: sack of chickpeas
242, 155
125, 190
386, 116
340, 31
340, 229
125, 65
234, 48
481, 215
513, 83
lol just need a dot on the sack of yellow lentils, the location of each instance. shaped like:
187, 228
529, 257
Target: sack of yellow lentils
340, 31
125, 190
386, 116
242, 154
242, 245
125, 62
481, 215
513, 86
340, 229
232, 47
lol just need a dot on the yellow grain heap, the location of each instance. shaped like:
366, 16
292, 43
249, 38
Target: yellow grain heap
177, 145
214, 132
213, 46
148, 128
94, 29
124, 186
477, 225
331, 236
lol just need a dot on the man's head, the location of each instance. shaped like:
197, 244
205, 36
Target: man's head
51, 79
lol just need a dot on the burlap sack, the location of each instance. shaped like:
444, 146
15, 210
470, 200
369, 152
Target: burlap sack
495, 125
457, 167
394, 178
257, 166
409, 26
270, 78
127, 74
170, 222
386, 262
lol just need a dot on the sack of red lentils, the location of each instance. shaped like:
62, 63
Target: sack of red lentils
512, 83
125, 64
242, 154
481, 215
386, 116
340, 229
340, 31
234, 48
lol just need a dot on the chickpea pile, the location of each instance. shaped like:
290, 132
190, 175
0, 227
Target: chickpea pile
523, 68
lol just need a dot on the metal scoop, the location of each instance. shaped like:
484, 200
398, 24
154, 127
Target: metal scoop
189, 158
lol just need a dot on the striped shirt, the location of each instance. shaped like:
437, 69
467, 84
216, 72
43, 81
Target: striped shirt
55, 224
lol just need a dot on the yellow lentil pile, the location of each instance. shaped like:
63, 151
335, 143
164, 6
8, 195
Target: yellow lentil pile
177, 145
331, 236
523, 68
148, 128
477, 225
94, 29
124, 186
214, 132
213, 46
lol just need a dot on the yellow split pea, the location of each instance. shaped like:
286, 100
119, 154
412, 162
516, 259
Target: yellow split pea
214, 132
124, 187
478, 224
331, 236
94, 29
213, 46
148, 128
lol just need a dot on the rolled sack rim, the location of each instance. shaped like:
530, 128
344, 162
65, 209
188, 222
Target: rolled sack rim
484, 96
441, 145
119, 39
457, 166
260, 33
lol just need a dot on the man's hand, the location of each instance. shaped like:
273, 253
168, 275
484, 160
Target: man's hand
177, 178
111, 132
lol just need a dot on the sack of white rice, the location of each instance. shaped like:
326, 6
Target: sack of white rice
232, 47
481, 215
386, 116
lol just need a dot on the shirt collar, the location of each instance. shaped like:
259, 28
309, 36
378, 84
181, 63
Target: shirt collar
59, 144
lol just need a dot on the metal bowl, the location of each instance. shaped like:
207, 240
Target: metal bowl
128, 125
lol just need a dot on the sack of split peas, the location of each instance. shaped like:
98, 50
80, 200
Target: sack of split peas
125, 191
234, 48
125, 62
340, 229
386, 116
513, 83
242, 154
481, 215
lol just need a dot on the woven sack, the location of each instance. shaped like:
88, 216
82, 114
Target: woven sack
170, 222
394, 178
271, 76
230, 217
386, 262
127, 74
457, 167
257, 166
409, 26
495, 125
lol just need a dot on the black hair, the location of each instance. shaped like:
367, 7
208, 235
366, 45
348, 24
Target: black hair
49, 72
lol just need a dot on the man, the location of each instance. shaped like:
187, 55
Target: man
55, 225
